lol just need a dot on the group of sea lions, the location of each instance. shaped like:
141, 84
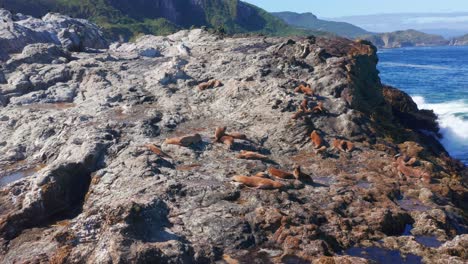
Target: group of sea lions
305, 109
274, 178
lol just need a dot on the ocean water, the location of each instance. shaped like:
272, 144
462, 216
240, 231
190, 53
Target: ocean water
437, 79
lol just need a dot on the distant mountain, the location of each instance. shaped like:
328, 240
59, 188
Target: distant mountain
128, 18
460, 41
446, 24
405, 38
310, 21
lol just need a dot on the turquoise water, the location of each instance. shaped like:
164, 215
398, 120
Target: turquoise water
437, 79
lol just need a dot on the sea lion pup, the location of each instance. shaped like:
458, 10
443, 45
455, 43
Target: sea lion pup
219, 133
251, 155
257, 182
228, 141
317, 141
280, 173
299, 175
184, 141
157, 151
307, 90
318, 109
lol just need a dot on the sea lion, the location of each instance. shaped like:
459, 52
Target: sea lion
280, 173
219, 133
305, 105
307, 90
318, 108
185, 141
157, 151
237, 135
299, 175
403, 169
251, 155
299, 114
228, 141
209, 84
348, 146
317, 141
257, 182
343, 145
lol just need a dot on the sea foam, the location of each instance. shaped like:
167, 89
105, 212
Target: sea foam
453, 123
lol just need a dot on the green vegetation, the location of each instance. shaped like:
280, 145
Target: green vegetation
129, 18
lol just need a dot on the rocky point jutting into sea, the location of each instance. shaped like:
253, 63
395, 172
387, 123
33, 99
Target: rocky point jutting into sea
109, 154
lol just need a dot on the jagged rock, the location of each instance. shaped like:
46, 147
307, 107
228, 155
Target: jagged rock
79, 183
73, 34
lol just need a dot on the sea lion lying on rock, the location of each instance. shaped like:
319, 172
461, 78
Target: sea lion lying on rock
251, 155
404, 169
209, 84
219, 133
257, 182
184, 141
305, 89
157, 151
280, 173
299, 175
318, 109
343, 145
228, 141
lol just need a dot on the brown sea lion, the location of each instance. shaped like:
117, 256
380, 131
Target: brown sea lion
403, 169
228, 141
157, 151
209, 84
237, 135
299, 175
299, 114
305, 89
280, 173
257, 182
305, 105
251, 155
219, 133
317, 141
185, 141
318, 109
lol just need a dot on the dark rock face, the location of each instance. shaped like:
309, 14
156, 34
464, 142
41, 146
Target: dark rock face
111, 189
407, 111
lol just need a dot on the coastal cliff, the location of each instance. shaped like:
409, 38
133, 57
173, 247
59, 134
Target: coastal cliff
109, 155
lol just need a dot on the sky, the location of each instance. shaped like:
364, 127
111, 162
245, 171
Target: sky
339, 8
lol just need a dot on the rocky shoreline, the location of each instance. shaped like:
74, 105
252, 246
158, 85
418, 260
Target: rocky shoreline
88, 175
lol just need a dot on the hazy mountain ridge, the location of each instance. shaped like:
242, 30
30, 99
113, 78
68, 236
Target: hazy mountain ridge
310, 21
448, 25
405, 38
161, 17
